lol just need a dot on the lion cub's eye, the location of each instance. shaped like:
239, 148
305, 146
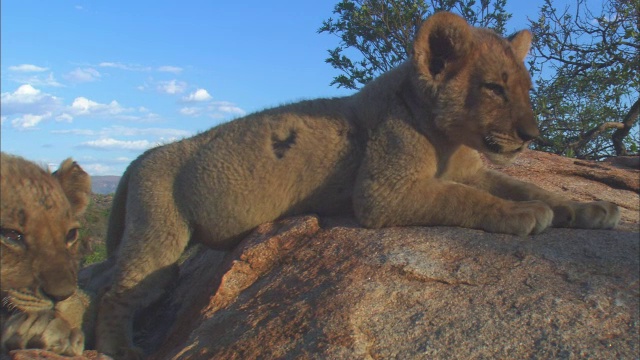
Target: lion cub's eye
495, 89
12, 237
72, 236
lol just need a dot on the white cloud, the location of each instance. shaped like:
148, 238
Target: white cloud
113, 65
28, 100
64, 117
27, 90
157, 132
147, 118
28, 121
215, 109
83, 75
170, 69
35, 79
83, 106
121, 66
111, 144
27, 68
104, 166
605, 19
198, 95
191, 111
98, 169
81, 132
27, 74
228, 108
172, 87
27, 106
127, 131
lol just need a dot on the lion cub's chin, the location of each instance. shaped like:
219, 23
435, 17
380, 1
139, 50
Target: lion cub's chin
502, 158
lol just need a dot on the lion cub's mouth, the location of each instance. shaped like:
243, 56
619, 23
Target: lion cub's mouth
503, 144
501, 149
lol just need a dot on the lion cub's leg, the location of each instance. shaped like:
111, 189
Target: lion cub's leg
435, 202
145, 265
566, 213
398, 184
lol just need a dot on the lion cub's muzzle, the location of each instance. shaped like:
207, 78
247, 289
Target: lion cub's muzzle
27, 300
57, 278
59, 292
528, 133
502, 148
499, 142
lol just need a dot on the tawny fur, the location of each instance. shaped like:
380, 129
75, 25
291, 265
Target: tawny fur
39, 218
402, 151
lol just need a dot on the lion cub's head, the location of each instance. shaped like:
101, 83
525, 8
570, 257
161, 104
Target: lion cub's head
479, 83
39, 221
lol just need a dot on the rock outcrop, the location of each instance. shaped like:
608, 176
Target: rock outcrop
310, 288
296, 289
326, 288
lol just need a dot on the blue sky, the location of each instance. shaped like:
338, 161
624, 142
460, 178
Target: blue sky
102, 81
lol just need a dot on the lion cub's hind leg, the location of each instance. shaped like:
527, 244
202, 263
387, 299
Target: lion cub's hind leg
145, 266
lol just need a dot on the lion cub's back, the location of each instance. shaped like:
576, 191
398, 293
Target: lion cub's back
280, 161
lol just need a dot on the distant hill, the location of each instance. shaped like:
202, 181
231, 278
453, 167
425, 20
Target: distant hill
104, 184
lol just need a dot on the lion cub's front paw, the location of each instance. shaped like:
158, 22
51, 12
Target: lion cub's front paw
521, 218
527, 217
42, 330
596, 215
592, 215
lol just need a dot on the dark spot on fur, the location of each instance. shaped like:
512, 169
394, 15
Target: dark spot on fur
22, 218
505, 77
280, 146
46, 201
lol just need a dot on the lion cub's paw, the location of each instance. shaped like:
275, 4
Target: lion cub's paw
592, 215
42, 330
596, 215
529, 217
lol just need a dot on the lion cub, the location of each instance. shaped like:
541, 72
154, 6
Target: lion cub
402, 151
39, 221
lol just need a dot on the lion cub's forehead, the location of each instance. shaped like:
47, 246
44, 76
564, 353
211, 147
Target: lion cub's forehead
498, 60
46, 192
37, 197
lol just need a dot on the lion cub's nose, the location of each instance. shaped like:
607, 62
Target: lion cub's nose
57, 286
528, 133
59, 295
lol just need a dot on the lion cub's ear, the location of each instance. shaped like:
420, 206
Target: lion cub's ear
76, 184
521, 43
442, 43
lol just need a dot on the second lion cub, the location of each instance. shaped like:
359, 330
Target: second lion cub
402, 151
